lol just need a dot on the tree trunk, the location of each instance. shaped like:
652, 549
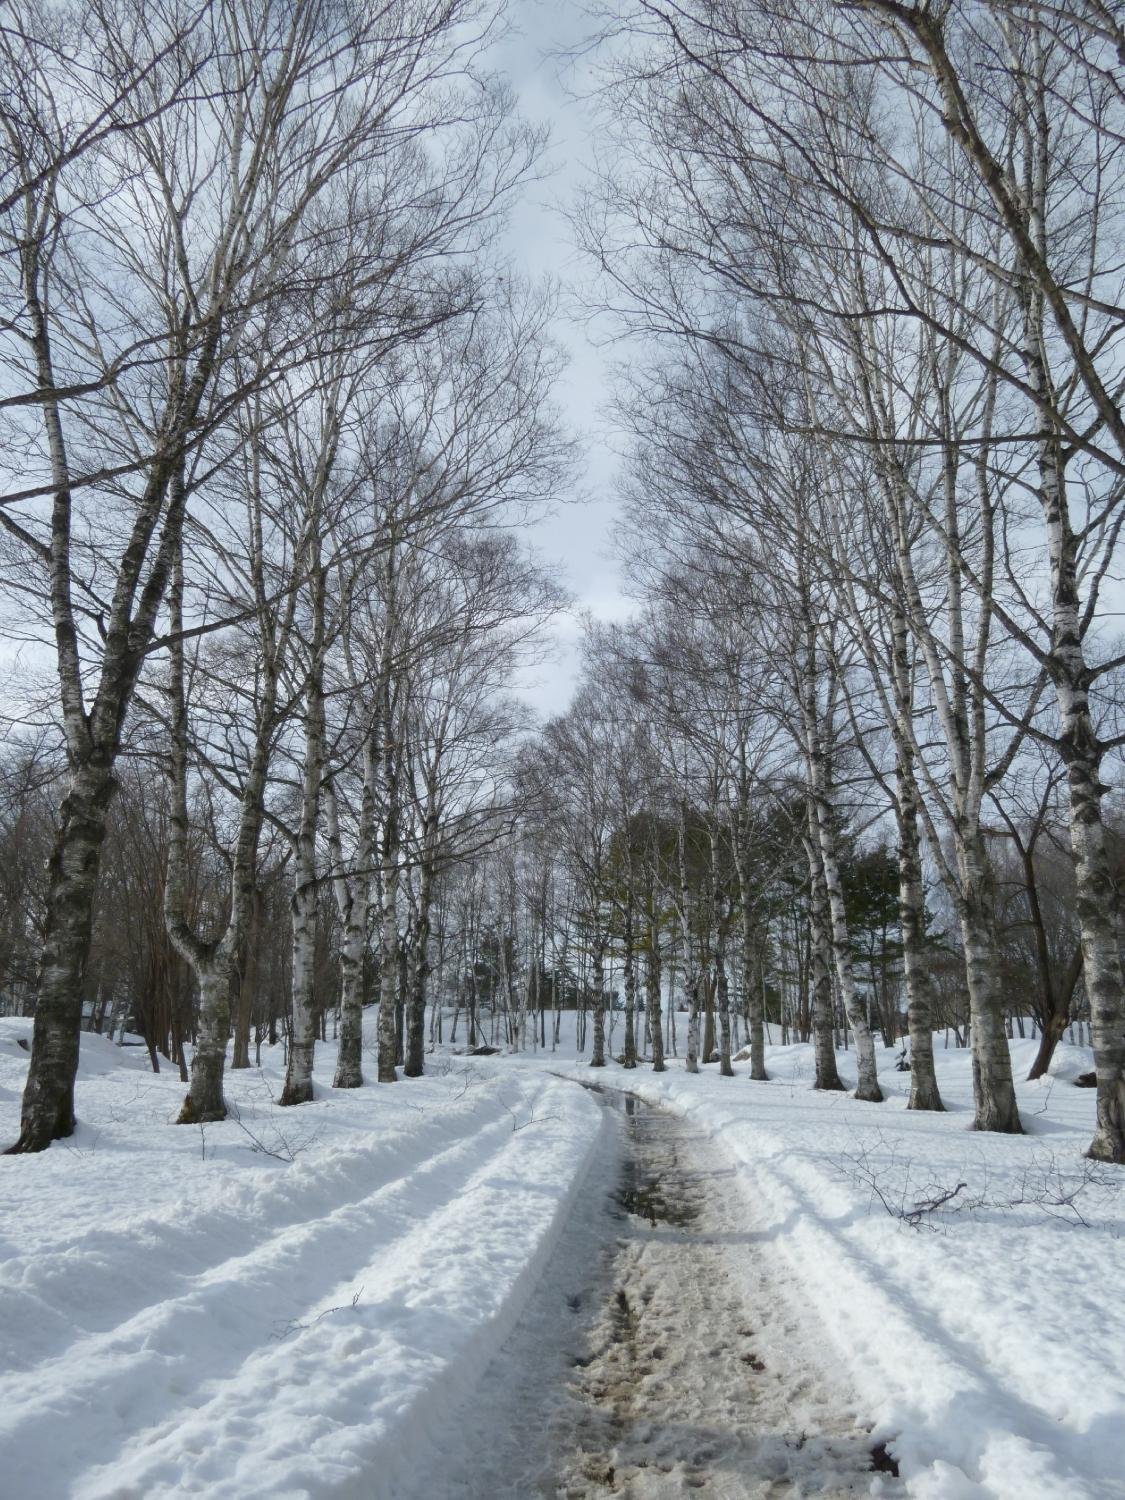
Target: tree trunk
630, 987
671, 1026
867, 1087
691, 972
708, 1044
920, 996
1097, 903
48, 1099
652, 989
388, 921
298, 1088
204, 1099
93, 738
1095, 896
414, 1043
388, 986
691, 981
751, 992
820, 960
597, 1055
353, 901
754, 1004
402, 986
245, 979
722, 990
1054, 1027
993, 1089
211, 962
419, 974
349, 1046
823, 833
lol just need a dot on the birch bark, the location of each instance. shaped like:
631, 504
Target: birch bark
212, 961
1095, 895
353, 902
420, 966
298, 1086
630, 982
652, 972
751, 992
597, 965
956, 676
921, 996
820, 956
824, 827
691, 969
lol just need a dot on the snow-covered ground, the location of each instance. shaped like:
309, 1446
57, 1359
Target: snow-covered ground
658, 1358
184, 1313
298, 1302
986, 1339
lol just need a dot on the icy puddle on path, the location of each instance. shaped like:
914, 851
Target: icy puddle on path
663, 1353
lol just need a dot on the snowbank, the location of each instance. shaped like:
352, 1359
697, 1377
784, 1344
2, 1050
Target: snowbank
275, 1306
988, 1337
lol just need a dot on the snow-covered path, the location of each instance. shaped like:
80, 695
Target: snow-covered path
663, 1353
412, 1293
189, 1313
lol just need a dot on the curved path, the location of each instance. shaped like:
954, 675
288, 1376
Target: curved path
663, 1353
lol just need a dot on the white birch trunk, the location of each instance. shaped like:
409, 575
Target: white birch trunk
867, 1087
1095, 893
353, 901
211, 962
630, 985
820, 958
652, 982
752, 995
691, 971
994, 1089
920, 993
597, 1052
419, 967
298, 1087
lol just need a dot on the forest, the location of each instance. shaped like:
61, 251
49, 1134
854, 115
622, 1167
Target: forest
835, 794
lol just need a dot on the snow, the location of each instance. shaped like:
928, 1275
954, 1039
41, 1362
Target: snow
181, 1313
667, 1361
300, 1302
986, 1342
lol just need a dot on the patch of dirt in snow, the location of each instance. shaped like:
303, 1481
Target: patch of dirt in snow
663, 1355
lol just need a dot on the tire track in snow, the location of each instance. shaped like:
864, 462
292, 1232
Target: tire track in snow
332, 1410
40, 1288
160, 1362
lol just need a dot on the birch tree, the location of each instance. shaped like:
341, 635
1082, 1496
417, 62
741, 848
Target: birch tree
1020, 178
181, 238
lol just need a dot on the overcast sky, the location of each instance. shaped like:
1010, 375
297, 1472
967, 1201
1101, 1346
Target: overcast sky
578, 536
